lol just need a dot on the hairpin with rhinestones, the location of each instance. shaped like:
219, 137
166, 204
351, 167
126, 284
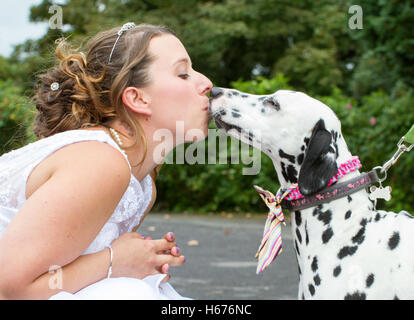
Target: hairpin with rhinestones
54, 86
125, 27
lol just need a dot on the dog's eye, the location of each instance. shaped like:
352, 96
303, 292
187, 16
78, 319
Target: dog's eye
272, 102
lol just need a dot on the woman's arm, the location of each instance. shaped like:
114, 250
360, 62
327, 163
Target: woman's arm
80, 273
59, 221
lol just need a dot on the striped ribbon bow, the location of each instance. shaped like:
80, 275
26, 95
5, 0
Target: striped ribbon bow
271, 245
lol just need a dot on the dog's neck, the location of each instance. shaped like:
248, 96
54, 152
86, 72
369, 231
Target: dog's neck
334, 224
288, 171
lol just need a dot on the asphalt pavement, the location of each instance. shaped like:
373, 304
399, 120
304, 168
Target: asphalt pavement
220, 257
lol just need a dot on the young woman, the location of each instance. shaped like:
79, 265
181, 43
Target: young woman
70, 202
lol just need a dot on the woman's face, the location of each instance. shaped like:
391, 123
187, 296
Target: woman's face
177, 93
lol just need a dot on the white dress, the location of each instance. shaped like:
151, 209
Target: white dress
15, 168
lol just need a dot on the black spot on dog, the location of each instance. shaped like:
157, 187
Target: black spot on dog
317, 280
327, 235
396, 298
300, 271
263, 110
297, 248
360, 236
235, 93
377, 217
337, 271
284, 172
306, 140
370, 280
348, 214
298, 235
306, 233
300, 158
302, 148
235, 113
273, 103
283, 154
290, 174
394, 240
356, 296
311, 289
303, 296
349, 198
314, 264
229, 94
347, 251
253, 104
363, 222
262, 98
324, 216
244, 96
269, 150
298, 218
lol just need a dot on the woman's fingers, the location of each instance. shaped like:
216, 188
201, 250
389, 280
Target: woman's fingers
169, 236
163, 245
165, 268
170, 260
175, 251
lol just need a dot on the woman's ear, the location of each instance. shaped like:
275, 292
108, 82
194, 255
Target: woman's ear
136, 100
319, 165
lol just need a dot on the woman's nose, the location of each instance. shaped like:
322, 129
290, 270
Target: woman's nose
206, 84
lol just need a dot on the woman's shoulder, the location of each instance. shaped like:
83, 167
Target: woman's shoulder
84, 157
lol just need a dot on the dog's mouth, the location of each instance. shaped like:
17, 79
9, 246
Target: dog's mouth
224, 125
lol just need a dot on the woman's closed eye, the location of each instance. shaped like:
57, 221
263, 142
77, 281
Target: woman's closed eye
184, 76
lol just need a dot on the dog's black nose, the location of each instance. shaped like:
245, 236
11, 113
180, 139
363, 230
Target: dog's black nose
216, 92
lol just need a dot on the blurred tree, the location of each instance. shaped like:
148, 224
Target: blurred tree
384, 47
228, 39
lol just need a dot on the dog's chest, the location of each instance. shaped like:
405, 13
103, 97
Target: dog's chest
350, 251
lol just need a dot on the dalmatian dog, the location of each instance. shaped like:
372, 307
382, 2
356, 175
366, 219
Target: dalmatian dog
345, 249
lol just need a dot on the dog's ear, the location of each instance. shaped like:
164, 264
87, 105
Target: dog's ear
319, 164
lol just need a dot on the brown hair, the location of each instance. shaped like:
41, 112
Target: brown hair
90, 89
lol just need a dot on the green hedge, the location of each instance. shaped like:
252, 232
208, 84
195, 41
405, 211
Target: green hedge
16, 117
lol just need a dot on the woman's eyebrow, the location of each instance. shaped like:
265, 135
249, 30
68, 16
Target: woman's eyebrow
185, 60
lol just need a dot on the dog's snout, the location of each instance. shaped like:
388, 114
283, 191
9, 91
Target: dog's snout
216, 92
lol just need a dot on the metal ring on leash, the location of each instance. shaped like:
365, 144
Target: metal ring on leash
381, 171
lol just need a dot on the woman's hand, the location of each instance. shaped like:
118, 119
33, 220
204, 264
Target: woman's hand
138, 257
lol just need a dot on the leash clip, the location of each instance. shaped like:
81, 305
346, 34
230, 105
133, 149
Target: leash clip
401, 149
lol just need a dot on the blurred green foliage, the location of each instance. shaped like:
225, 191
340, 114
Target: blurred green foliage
259, 46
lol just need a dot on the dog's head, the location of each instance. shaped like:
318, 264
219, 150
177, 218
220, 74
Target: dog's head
301, 134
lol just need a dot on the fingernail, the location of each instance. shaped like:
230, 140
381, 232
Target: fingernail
167, 268
171, 235
177, 250
185, 259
